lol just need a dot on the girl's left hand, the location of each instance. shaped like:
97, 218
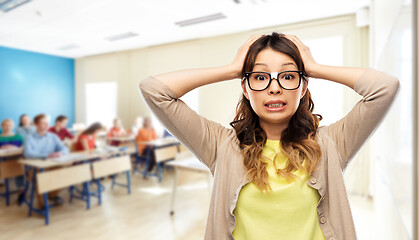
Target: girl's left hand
308, 60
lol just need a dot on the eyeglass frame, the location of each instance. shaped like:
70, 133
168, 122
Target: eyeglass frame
300, 73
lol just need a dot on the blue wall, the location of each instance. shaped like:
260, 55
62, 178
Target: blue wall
34, 83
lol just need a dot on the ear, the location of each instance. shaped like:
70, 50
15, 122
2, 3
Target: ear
243, 85
305, 86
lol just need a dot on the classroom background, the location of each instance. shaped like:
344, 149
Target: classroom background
71, 69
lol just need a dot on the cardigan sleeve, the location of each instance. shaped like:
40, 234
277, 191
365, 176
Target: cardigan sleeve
199, 134
378, 90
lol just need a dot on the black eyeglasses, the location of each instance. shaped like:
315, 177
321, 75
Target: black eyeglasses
288, 80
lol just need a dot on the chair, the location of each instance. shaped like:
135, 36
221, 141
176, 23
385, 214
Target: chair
139, 159
109, 167
61, 178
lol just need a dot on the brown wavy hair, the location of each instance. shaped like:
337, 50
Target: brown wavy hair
298, 140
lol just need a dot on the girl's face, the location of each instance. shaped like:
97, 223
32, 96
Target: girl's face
26, 121
269, 60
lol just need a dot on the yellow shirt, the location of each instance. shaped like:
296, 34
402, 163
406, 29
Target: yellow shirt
288, 212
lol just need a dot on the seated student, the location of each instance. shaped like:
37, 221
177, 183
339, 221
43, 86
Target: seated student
137, 125
146, 133
25, 126
60, 128
87, 139
116, 131
43, 144
10, 140
7, 138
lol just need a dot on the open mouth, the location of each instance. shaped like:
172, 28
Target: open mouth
275, 106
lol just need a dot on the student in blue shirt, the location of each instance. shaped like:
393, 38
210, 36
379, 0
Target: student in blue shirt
41, 143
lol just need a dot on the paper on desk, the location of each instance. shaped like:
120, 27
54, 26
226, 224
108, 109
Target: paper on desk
12, 149
67, 158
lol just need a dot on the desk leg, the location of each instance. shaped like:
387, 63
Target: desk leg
46, 206
129, 182
99, 191
86, 186
159, 170
172, 202
25, 191
32, 191
7, 193
147, 162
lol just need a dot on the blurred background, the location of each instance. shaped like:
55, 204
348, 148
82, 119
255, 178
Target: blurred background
84, 59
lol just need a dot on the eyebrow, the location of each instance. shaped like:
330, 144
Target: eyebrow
283, 65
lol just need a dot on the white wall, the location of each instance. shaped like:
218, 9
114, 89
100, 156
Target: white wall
127, 68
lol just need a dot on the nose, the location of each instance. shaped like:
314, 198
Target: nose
274, 87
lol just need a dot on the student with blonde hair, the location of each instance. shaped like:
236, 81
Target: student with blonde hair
117, 130
8, 139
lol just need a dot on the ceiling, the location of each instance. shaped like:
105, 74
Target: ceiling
78, 28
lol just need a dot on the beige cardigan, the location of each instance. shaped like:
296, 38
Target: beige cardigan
218, 148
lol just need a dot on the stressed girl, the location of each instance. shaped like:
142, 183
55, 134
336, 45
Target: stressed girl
277, 173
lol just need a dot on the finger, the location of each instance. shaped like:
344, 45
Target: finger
297, 40
251, 40
292, 38
254, 38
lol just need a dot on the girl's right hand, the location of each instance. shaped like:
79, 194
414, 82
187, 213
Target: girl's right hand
241, 54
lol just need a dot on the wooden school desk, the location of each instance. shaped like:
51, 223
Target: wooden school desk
158, 144
65, 161
129, 138
9, 168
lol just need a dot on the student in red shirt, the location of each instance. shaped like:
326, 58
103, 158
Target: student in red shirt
60, 128
117, 130
87, 139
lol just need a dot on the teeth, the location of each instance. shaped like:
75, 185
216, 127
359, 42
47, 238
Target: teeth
275, 105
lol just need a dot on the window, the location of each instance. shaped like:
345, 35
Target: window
101, 102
